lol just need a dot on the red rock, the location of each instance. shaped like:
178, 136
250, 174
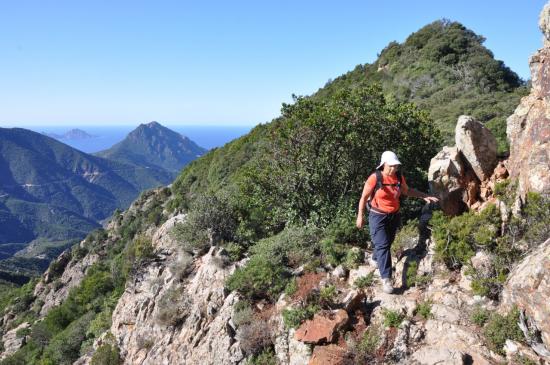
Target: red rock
323, 328
329, 355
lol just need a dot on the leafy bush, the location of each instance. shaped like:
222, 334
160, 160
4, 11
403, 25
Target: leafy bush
412, 276
23, 297
369, 342
479, 316
322, 148
327, 296
536, 216
332, 253
243, 313
64, 347
106, 354
364, 350
139, 251
364, 281
210, 221
406, 237
392, 318
291, 287
499, 328
22, 332
424, 309
293, 318
354, 257
458, 238
260, 278
292, 247
266, 357
173, 307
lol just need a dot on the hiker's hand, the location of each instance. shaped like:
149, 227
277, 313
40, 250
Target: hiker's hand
359, 222
431, 199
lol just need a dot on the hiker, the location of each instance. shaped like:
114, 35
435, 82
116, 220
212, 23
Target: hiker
381, 197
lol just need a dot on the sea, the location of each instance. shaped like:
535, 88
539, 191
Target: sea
104, 137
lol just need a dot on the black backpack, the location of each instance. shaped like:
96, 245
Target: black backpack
379, 185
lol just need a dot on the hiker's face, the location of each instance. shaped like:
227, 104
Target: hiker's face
390, 169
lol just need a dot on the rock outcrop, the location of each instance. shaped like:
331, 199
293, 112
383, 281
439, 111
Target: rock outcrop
323, 328
165, 317
447, 177
528, 287
478, 145
13, 341
463, 176
528, 129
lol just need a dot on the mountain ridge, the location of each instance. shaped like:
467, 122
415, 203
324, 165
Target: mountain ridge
154, 145
52, 193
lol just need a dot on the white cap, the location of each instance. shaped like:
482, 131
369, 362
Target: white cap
390, 158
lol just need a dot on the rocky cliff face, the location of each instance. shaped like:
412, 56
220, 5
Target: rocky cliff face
528, 129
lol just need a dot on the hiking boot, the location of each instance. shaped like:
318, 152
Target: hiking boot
387, 286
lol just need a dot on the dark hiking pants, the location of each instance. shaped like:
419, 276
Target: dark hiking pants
382, 232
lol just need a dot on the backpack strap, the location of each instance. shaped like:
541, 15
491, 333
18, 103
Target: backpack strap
377, 187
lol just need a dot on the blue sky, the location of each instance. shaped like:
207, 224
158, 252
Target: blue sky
213, 62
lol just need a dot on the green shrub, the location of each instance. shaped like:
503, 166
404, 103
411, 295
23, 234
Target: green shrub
327, 296
243, 313
64, 347
266, 357
406, 237
210, 221
234, 251
412, 276
260, 278
294, 317
291, 287
100, 323
332, 253
499, 328
322, 148
458, 238
479, 316
292, 247
106, 354
23, 297
392, 318
139, 251
369, 341
22, 332
424, 309
536, 216
78, 252
364, 281
173, 307
354, 257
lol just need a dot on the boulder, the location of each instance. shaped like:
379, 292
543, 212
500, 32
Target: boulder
482, 262
528, 129
431, 355
478, 145
323, 328
446, 175
528, 287
329, 355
